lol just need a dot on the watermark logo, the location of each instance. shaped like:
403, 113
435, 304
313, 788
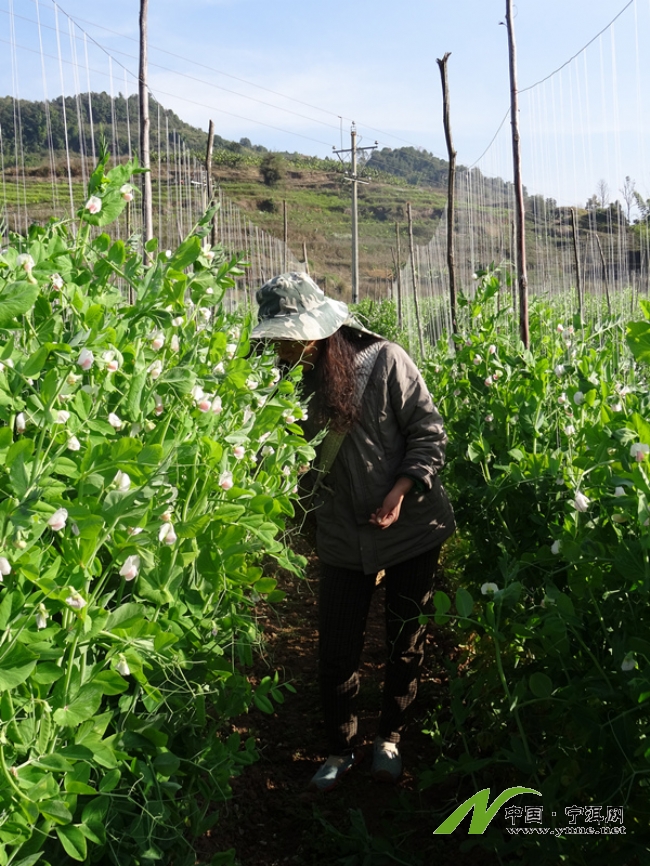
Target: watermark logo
596, 821
481, 816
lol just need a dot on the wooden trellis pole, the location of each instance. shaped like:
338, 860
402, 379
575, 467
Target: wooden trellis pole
451, 208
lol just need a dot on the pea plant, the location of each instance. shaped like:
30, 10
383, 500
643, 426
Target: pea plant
549, 472
148, 463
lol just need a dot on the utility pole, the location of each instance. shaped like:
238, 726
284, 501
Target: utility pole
147, 209
352, 177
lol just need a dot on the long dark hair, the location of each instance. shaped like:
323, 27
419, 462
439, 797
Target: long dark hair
335, 377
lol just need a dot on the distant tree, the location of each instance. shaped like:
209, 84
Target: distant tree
628, 192
593, 203
642, 204
602, 191
272, 169
245, 142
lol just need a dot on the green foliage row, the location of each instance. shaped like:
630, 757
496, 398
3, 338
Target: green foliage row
148, 463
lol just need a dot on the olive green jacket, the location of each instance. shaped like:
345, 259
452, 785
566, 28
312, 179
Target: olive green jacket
400, 433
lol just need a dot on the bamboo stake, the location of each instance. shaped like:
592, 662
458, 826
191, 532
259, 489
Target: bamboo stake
399, 279
574, 226
442, 63
524, 331
147, 210
304, 257
605, 277
415, 279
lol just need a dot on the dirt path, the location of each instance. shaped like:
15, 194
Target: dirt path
271, 820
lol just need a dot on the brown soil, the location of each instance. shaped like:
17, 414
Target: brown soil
272, 820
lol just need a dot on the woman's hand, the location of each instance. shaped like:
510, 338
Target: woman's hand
389, 512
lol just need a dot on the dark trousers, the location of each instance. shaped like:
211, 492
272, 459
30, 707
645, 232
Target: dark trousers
344, 601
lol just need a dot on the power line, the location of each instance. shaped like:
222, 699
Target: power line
234, 77
551, 74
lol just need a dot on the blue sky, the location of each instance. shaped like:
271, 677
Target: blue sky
375, 63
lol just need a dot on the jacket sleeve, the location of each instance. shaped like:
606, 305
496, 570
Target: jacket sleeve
418, 419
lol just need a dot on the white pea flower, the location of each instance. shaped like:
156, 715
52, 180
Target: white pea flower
488, 382
42, 617
61, 417
207, 251
286, 470
205, 404
581, 502
275, 375
166, 516
167, 534
560, 328
209, 290
115, 421
457, 392
252, 383
267, 450
126, 191
559, 481
555, 547
265, 436
569, 430
168, 254
578, 398
197, 393
159, 408
489, 588
231, 348
239, 451
628, 663
75, 530
174, 343
476, 360
86, 359
135, 530
131, 567
489, 418
216, 405
248, 414
178, 321
93, 205
562, 399
20, 422
122, 481
617, 407
122, 666
218, 369
57, 282
73, 379
58, 520
155, 369
75, 600
5, 567
492, 349
638, 450
559, 370
158, 340
112, 364
26, 262
205, 313
619, 491
73, 444
225, 480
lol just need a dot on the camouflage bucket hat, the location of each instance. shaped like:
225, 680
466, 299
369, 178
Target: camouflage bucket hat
293, 307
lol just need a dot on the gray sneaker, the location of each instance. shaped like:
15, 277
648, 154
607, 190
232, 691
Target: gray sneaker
386, 761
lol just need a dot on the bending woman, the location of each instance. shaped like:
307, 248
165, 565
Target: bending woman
378, 504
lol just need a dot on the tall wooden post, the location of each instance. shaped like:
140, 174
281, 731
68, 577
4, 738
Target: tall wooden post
520, 213
451, 207
415, 279
576, 255
145, 160
286, 236
398, 270
304, 257
208, 182
605, 275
